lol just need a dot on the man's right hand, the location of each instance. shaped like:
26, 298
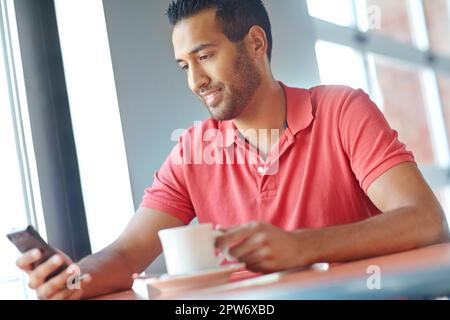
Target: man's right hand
57, 287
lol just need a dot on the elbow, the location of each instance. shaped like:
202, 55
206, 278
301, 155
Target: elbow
444, 235
438, 230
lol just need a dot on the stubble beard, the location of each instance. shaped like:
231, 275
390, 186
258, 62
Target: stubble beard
242, 87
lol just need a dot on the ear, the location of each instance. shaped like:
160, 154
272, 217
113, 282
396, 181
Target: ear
257, 44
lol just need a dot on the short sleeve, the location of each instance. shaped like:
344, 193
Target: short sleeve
371, 144
168, 192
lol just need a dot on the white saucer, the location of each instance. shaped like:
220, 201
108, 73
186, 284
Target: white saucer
197, 280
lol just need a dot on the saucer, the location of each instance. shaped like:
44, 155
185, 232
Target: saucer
196, 280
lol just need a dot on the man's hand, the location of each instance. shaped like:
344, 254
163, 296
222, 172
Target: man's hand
57, 287
263, 247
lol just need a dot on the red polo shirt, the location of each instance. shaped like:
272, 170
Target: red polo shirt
336, 144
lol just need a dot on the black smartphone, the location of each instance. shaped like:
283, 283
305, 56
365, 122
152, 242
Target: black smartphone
28, 239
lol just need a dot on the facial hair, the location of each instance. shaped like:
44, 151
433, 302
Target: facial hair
240, 89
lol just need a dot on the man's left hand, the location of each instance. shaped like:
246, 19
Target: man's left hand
263, 247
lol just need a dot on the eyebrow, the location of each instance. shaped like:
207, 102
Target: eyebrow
197, 49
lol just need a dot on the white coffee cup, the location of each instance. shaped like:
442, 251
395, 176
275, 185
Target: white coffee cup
190, 248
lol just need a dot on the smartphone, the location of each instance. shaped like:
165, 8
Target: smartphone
28, 239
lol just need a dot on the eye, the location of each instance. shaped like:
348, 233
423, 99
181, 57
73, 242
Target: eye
184, 67
203, 57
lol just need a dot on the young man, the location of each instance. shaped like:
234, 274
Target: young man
335, 184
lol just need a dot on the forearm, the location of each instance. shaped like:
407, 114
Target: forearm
394, 231
109, 270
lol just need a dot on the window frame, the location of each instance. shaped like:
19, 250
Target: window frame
21, 126
417, 54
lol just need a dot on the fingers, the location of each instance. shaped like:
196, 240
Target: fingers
38, 275
52, 286
237, 234
56, 287
66, 294
249, 246
72, 294
255, 257
258, 267
26, 260
75, 296
59, 286
65, 257
260, 261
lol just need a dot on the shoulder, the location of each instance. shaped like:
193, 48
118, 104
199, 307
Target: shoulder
334, 95
336, 100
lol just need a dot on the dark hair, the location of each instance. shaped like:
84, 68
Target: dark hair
235, 17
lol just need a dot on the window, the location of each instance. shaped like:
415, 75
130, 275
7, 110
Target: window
393, 40
12, 208
19, 191
438, 22
405, 49
395, 19
444, 90
350, 69
102, 158
404, 106
335, 11
95, 118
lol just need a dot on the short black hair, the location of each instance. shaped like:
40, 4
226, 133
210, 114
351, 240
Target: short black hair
235, 17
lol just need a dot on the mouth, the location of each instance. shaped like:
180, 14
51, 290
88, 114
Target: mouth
213, 98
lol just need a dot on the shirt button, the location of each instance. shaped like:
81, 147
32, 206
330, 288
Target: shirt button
261, 170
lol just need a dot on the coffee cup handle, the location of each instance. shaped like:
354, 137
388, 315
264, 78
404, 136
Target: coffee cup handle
225, 254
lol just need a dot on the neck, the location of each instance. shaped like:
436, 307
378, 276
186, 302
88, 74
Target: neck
266, 110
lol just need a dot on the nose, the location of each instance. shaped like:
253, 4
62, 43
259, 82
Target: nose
197, 79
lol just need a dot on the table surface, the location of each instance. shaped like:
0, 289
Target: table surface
415, 274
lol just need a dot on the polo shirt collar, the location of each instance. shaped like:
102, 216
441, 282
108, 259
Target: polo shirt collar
299, 113
299, 108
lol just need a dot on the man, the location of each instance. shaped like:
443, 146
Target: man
334, 184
